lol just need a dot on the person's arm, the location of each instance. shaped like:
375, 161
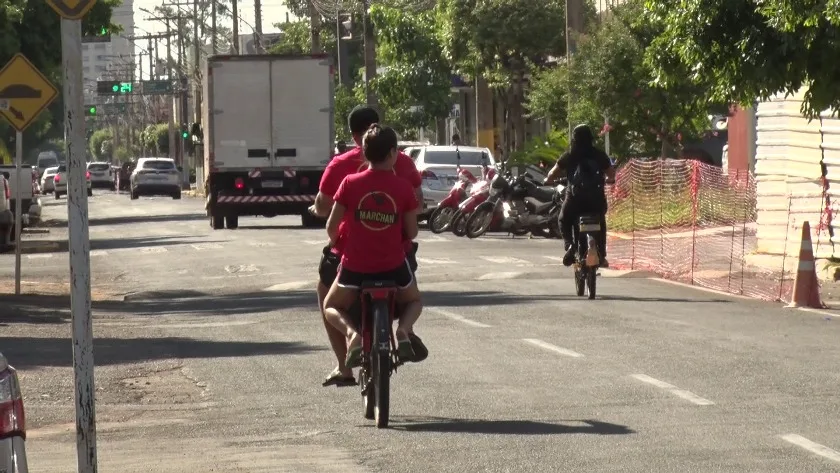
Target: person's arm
330, 181
418, 194
608, 168
610, 173
406, 168
323, 205
410, 210
334, 221
557, 170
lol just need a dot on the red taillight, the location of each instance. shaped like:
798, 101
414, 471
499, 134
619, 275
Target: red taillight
428, 175
304, 181
57, 178
8, 191
239, 183
12, 418
87, 174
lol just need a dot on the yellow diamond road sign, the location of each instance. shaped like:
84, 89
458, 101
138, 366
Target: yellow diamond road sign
24, 92
71, 9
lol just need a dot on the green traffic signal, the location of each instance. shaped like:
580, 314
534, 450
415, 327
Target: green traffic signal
92, 110
115, 88
184, 135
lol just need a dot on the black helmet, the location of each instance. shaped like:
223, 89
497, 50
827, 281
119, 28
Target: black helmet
583, 135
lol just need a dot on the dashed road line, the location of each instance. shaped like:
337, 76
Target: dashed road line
242, 268
681, 393
40, 256
504, 260
432, 239
262, 244
457, 317
500, 275
435, 261
153, 249
98, 253
315, 242
813, 447
291, 286
207, 246
554, 348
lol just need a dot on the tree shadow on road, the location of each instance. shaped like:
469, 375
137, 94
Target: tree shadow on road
143, 242
507, 427
26, 352
146, 219
283, 227
613, 297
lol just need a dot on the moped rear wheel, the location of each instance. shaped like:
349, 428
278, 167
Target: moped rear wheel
441, 219
590, 281
459, 224
580, 280
381, 362
479, 222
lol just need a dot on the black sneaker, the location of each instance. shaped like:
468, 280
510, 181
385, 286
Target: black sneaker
420, 350
569, 257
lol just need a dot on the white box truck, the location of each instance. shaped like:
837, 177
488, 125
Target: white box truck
268, 135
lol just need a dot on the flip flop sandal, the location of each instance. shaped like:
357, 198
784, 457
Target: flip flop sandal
405, 350
420, 350
354, 357
339, 380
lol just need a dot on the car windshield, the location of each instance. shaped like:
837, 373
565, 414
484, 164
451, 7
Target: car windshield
62, 168
468, 158
98, 167
47, 162
159, 165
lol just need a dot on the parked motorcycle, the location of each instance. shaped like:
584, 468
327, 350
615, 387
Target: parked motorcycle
521, 205
479, 193
442, 217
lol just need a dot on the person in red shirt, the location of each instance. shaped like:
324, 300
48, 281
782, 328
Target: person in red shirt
378, 211
351, 162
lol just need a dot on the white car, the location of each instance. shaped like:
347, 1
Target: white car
156, 176
47, 177
7, 219
13, 427
438, 166
101, 175
60, 182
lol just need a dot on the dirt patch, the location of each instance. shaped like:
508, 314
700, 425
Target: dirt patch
53, 288
166, 386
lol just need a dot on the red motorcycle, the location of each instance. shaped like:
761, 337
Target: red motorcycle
479, 193
442, 217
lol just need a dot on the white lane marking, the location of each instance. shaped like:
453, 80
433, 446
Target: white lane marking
153, 249
457, 317
554, 348
432, 239
315, 242
207, 246
503, 260
291, 286
500, 275
246, 268
262, 244
812, 447
434, 261
98, 253
554, 258
40, 256
818, 311
681, 393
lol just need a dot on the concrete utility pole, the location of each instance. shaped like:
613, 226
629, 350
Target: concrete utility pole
258, 26
235, 8
170, 74
370, 56
212, 29
314, 28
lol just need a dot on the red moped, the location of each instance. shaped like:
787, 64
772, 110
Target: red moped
442, 217
479, 193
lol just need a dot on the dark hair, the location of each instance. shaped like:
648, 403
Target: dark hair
582, 139
378, 143
361, 118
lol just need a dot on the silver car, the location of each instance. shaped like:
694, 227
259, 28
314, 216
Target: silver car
47, 177
12, 427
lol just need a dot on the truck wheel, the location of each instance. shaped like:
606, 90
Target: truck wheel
217, 222
310, 221
90, 192
232, 222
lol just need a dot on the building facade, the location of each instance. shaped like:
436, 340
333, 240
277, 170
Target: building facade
101, 58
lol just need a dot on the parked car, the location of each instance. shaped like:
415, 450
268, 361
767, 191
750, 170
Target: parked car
12, 421
156, 176
47, 186
123, 177
7, 219
100, 175
60, 182
438, 166
30, 204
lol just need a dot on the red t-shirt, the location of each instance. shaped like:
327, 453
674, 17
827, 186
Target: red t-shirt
353, 161
375, 203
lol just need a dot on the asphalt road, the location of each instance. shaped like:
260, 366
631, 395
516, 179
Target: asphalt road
214, 362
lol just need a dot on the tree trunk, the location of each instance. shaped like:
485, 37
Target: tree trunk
440, 131
518, 112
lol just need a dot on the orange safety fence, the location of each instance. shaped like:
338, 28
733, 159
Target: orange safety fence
694, 223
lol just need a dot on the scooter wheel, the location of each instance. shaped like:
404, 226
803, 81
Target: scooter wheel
441, 219
459, 225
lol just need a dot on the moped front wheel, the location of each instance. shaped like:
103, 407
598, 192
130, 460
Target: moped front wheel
479, 222
459, 224
441, 219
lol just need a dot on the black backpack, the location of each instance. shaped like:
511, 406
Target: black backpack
586, 179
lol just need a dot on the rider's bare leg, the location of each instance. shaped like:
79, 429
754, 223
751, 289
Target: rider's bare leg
338, 341
410, 309
337, 303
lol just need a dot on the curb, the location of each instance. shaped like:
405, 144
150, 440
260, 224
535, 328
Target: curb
36, 247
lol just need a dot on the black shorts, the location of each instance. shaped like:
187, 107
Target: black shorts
328, 268
401, 275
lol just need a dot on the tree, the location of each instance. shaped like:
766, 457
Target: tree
22, 27
97, 140
344, 103
155, 139
414, 86
609, 77
503, 39
743, 50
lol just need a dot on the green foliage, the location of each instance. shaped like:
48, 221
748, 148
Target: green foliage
32, 28
548, 94
344, 103
414, 87
155, 139
545, 148
744, 50
97, 139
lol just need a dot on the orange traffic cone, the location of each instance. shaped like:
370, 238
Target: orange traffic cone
806, 286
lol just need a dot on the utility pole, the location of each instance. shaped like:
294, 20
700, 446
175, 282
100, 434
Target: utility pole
170, 75
235, 8
370, 56
314, 28
197, 49
258, 26
574, 26
212, 30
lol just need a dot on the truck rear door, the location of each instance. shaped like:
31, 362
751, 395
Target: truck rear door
241, 133
302, 103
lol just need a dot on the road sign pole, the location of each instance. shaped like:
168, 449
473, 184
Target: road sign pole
77, 213
18, 207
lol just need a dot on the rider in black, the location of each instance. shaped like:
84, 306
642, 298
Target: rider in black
587, 169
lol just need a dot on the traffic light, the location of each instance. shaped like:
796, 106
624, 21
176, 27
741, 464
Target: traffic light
90, 110
113, 87
184, 133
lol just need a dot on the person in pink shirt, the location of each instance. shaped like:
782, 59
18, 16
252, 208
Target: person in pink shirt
341, 166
